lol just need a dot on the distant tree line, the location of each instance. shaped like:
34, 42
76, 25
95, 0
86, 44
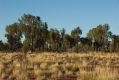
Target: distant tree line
30, 33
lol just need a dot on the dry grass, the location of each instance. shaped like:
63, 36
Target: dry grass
59, 66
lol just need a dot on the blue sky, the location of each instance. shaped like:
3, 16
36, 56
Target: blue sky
62, 13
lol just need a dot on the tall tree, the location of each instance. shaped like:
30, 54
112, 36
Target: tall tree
54, 40
75, 34
28, 23
13, 36
41, 37
99, 36
34, 31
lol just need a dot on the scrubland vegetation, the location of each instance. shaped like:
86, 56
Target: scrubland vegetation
57, 55
59, 66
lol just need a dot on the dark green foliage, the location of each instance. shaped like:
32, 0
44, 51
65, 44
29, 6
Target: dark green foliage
99, 37
75, 34
114, 46
54, 40
3, 46
85, 44
37, 37
14, 36
35, 32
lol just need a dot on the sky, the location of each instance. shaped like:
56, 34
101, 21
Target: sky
60, 14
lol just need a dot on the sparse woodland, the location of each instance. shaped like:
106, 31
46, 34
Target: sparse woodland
35, 52
30, 33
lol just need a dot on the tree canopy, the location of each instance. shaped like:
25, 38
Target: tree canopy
38, 37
